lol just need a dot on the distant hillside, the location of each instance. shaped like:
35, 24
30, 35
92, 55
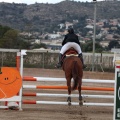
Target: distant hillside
42, 17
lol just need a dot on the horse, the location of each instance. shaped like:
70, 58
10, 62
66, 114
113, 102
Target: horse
73, 68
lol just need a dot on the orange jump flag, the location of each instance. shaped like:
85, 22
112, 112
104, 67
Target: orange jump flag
10, 82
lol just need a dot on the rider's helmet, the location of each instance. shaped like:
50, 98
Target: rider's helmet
70, 30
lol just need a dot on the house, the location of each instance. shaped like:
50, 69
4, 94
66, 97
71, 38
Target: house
89, 21
86, 39
90, 32
99, 36
104, 31
109, 37
89, 26
61, 25
42, 49
113, 22
118, 24
68, 24
104, 43
113, 28
54, 45
100, 24
75, 21
37, 41
54, 36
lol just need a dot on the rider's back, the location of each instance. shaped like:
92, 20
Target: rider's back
71, 38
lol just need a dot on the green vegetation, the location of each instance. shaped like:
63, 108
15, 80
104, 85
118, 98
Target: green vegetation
42, 45
88, 47
113, 44
9, 38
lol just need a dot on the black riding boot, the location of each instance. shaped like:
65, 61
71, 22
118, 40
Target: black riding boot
60, 61
81, 58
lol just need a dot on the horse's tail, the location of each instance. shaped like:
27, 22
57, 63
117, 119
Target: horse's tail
75, 74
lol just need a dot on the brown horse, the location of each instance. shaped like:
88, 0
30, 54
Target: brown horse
72, 67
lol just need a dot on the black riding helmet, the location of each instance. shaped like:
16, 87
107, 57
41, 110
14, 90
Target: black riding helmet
70, 30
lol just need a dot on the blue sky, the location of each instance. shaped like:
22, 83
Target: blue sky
39, 1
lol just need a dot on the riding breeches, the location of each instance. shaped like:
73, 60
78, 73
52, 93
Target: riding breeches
69, 45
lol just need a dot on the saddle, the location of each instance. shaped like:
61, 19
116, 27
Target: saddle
70, 52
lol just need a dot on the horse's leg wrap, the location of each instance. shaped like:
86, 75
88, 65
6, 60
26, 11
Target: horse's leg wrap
69, 100
80, 100
80, 97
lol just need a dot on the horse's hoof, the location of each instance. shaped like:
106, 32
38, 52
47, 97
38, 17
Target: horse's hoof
13, 108
80, 103
69, 103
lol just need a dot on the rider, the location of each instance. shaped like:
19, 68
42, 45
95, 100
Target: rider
70, 40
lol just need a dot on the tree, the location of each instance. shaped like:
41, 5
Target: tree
113, 44
3, 30
42, 45
9, 38
89, 47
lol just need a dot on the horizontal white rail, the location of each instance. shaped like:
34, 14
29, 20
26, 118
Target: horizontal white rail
74, 103
72, 95
3, 107
63, 79
29, 86
16, 98
66, 103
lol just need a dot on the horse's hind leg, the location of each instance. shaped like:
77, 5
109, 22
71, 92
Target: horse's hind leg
69, 100
69, 92
80, 100
80, 96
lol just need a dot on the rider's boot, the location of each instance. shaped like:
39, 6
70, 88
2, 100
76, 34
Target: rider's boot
81, 58
60, 61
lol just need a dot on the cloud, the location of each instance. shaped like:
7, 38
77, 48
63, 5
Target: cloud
31, 1
39, 1
11, 1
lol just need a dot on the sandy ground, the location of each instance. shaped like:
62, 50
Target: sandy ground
62, 112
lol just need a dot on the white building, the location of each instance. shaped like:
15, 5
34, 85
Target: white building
53, 36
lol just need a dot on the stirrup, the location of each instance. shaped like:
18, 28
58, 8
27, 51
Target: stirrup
84, 66
58, 65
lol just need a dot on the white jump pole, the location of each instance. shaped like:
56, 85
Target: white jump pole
50, 79
66, 95
66, 103
23, 52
